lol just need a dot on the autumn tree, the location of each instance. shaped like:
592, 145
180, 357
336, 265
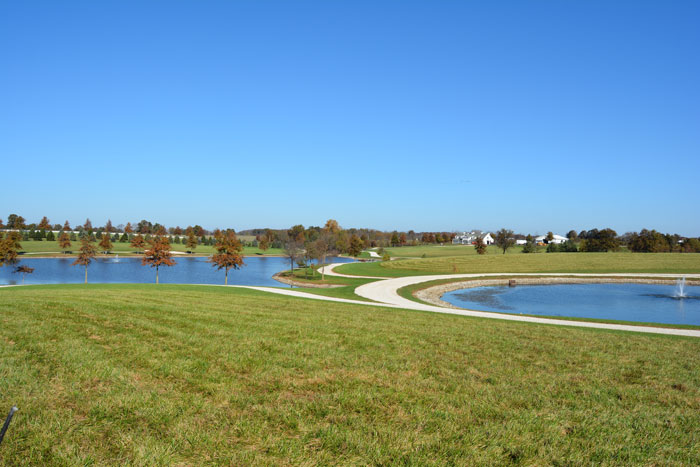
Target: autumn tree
9, 247
128, 229
332, 226
504, 239
265, 240
138, 242
24, 270
44, 224
85, 255
228, 252
109, 227
480, 246
66, 227
158, 254
191, 242
105, 243
88, 225
15, 222
64, 241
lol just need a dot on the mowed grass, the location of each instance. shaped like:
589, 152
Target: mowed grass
438, 251
162, 375
672, 263
52, 248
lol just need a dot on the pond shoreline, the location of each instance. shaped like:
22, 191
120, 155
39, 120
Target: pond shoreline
433, 295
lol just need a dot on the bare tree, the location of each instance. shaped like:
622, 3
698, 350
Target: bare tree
293, 247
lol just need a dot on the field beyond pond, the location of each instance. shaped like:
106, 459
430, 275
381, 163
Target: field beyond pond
672, 263
162, 375
51, 248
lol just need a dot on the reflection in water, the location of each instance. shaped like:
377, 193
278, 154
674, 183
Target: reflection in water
485, 296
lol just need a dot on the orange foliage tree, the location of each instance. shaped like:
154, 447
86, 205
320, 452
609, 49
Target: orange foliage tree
64, 241
138, 242
105, 242
191, 242
8, 249
158, 254
87, 251
228, 252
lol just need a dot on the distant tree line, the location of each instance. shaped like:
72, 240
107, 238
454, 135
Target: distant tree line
346, 241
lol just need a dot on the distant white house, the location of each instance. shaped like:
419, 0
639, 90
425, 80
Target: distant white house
467, 238
556, 240
520, 241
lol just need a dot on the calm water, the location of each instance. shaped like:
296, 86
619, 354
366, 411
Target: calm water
649, 303
257, 271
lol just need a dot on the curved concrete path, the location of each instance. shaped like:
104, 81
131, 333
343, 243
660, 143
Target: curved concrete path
329, 271
384, 293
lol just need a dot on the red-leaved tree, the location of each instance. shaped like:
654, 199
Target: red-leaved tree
158, 254
85, 255
228, 252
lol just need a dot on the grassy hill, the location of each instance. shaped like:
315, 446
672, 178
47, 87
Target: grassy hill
162, 375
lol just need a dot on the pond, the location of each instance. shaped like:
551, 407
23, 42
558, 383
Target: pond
648, 303
188, 270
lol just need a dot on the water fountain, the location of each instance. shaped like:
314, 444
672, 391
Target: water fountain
680, 288
116, 258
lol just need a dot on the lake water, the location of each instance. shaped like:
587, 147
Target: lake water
649, 303
192, 270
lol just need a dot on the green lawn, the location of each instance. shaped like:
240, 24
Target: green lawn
52, 248
675, 263
437, 251
163, 375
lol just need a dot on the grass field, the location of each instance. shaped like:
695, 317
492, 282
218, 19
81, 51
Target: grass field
147, 375
437, 251
675, 263
52, 249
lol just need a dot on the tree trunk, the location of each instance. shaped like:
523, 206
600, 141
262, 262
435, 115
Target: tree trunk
226, 277
156, 274
86, 274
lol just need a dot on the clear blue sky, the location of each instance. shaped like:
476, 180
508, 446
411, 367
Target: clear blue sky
446, 115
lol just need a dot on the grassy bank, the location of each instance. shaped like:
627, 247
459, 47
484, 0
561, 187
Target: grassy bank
673, 263
345, 290
139, 374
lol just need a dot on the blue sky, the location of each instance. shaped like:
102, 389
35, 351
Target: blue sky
531, 115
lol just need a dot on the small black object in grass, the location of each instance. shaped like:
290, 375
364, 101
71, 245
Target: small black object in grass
7, 423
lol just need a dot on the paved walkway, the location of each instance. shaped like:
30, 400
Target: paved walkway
385, 293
